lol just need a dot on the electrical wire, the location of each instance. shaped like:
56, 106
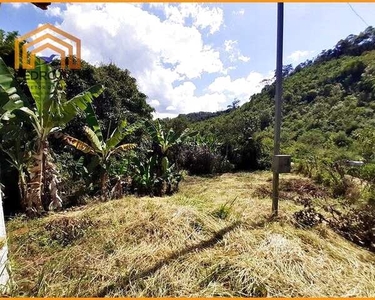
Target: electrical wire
358, 15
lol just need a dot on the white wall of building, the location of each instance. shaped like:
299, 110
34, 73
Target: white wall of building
4, 276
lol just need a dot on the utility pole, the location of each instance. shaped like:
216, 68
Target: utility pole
278, 104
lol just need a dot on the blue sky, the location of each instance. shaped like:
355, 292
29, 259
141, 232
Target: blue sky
193, 57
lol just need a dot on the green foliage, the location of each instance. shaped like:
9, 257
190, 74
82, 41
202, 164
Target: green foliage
367, 174
46, 109
224, 210
102, 149
164, 139
202, 155
7, 46
121, 99
145, 175
41, 104
156, 175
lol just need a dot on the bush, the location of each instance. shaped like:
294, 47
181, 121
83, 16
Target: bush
340, 139
76, 181
155, 177
200, 160
367, 174
358, 226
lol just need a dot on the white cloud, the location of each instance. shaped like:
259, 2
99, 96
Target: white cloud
158, 115
202, 16
241, 88
191, 102
154, 103
231, 47
53, 11
17, 5
163, 55
240, 12
243, 58
138, 40
299, 55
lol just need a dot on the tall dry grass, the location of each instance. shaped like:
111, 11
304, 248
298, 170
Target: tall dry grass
180, 246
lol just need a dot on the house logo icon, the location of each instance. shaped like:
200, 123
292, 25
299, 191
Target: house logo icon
45, 37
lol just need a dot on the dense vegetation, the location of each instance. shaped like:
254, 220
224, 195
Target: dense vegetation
101, 142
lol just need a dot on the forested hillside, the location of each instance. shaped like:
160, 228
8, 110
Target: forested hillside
328, 114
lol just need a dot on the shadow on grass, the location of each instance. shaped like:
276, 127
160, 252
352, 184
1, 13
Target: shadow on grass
124, 282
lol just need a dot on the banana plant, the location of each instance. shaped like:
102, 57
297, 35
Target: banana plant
47, 110
164, 140
102, 149
17, 153
208, 141
144, 176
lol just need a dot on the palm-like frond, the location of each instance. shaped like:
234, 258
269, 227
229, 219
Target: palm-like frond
42, 87
11, 96
123, 147
121, 132
93, 123
33, 118
76, 143
81, 102
97, 145
153, 130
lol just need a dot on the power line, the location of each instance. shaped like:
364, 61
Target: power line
363, 20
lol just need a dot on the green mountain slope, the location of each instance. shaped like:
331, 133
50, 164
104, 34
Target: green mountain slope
328, 107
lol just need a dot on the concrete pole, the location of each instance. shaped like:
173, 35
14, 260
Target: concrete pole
278, 104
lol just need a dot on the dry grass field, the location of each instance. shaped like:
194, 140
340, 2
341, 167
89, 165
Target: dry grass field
213, 238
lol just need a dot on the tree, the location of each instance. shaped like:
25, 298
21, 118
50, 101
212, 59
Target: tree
163, 140
287, 70
234, 105
47, 111
7, 46
121, 99
102, 149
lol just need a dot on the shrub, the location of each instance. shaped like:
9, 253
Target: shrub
150, 179
199, 160
367, 174
76, 181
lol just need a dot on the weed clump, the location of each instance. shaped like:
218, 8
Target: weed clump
294, 190
66, 230
308, 217
358, 226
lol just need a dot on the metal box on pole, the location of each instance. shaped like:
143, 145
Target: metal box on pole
282, 163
